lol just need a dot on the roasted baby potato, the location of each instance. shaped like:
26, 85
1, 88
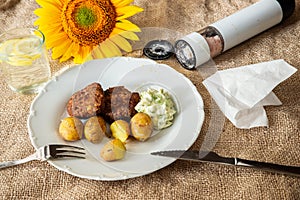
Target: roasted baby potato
71, 129
113, 150
94, 129
120, 130
141, 126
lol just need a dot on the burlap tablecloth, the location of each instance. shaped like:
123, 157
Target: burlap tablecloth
181, 180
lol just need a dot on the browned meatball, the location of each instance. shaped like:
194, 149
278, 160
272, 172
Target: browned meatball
86, 102
119, 103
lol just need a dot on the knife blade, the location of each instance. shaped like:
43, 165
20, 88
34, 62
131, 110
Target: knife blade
212, 157
204, 156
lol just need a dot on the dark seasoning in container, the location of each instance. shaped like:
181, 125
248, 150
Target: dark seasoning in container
199, 47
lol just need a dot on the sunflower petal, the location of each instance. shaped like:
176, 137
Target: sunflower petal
51, 31
47, 15
75, 49
122, 43
96, 53
127, 26
49, 5
126, 34
59, 51
130, 35
42, 21
127, 11
121, 3
68, 53
88, 58
85, 51
56, 40
78, 57
109, 49
106, 52
46, 3
78, 60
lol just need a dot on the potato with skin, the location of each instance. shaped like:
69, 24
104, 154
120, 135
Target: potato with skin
113, 150
95, 129
70, 129
120, 130
141, 126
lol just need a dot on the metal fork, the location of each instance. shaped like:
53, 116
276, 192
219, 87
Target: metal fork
50, 151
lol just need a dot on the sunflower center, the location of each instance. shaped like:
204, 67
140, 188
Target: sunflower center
88, 22
85, 17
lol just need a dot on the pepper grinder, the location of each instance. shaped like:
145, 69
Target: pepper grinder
199, 47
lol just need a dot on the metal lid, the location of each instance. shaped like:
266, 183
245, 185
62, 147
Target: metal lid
158, 49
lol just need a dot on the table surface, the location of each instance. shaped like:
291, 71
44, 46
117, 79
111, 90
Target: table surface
278, 143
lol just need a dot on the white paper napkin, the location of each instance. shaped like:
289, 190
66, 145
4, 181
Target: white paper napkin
242, 92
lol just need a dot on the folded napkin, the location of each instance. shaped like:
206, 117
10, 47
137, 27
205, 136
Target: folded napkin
242, 92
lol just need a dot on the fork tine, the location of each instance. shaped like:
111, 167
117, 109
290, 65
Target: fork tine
64, 146
62, 151
70, 151
68, 156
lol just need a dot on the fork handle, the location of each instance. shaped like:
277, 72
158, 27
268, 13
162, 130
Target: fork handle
17, 162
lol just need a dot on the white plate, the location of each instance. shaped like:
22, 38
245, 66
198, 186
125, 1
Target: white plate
135, 74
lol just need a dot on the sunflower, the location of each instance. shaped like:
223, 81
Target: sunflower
77, 28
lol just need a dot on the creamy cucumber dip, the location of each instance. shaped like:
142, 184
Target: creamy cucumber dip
159, 105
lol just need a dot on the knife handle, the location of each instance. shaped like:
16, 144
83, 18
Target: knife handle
291, 170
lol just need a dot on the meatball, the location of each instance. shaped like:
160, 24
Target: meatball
118, 104
87, 102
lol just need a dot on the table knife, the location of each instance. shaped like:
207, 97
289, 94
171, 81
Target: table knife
212, 157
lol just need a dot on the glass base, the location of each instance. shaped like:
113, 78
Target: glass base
33, 89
